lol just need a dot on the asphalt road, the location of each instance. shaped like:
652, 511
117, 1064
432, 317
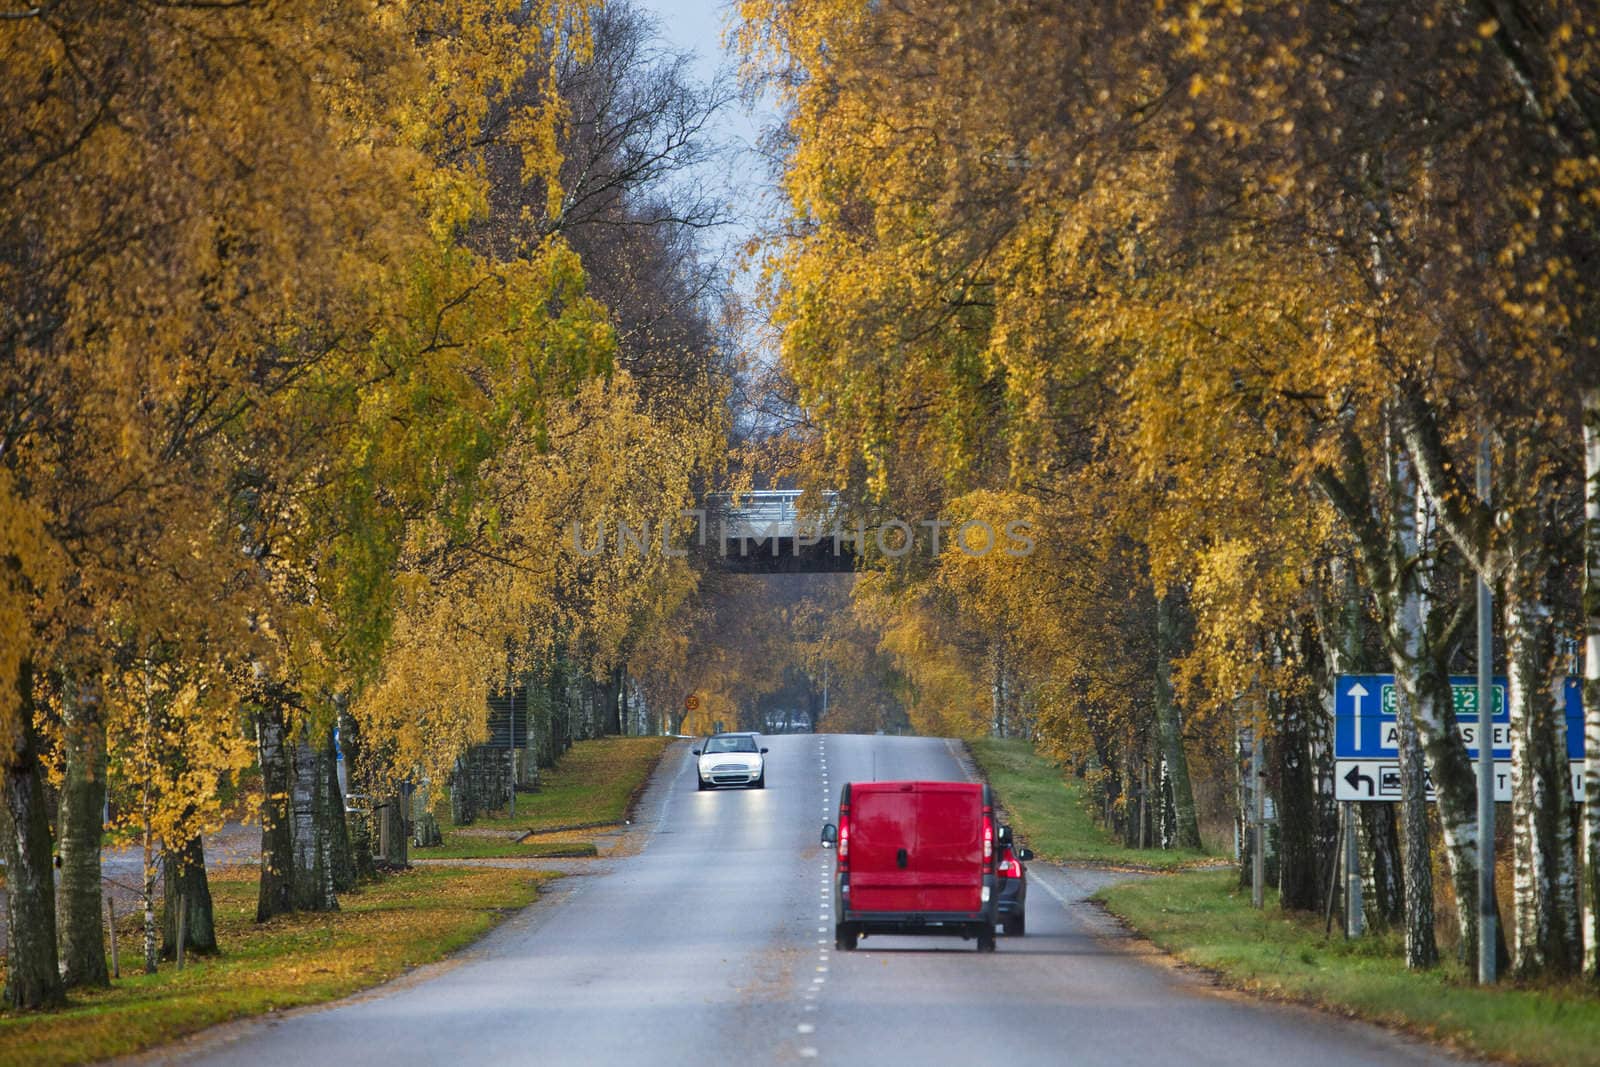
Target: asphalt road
713, 943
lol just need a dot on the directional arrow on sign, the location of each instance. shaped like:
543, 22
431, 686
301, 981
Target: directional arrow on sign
1379, 780
1355, 778
1360, 697
1357, 691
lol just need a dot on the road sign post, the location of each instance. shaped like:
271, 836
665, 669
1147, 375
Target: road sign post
1353, 920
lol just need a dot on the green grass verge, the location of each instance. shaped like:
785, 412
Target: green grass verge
379, 932
458, 846
591, 786
1047, 812
1203, 918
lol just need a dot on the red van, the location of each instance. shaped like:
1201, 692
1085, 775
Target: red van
914, 858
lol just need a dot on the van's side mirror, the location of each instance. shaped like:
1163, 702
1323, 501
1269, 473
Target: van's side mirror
830, 835
1004, 835
763, 752
1024, 854
694, 752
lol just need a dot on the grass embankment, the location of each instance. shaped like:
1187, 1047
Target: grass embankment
459, 846
1047, 811
1203, 918
591, 788
387, 927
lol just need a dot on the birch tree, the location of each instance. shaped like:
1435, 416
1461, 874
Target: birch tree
1591, 681
1547, 913
129, 130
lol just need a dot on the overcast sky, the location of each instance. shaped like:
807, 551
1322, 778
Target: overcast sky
693, 24
697, 26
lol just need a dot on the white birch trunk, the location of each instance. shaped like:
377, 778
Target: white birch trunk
1530, 925
313, 863
1591, 680
1458, 815
277, 852
1454, 780
1408, 647
1167, 824
1544, 845
148, 886
147, 894
1177, 784
1339, 625
1544, 850
997, 688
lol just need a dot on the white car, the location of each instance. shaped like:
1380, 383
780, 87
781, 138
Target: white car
731, 759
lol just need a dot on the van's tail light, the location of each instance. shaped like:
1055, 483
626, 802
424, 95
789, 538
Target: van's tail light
844, 840
988, 839
1010, 868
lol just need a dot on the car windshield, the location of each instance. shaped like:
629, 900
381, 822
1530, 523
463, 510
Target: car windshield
731, 744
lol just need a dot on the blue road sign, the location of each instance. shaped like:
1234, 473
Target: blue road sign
1365, 705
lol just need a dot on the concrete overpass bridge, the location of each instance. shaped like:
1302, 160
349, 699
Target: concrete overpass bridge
765, 531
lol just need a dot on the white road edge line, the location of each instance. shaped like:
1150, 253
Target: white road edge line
1048, 888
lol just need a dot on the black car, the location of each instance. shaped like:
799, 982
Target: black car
1013, 895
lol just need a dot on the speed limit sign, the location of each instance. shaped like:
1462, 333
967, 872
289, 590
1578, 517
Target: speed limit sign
692, 702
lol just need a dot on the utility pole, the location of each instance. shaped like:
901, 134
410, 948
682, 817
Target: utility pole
1258, 810
1487, 918
814, 725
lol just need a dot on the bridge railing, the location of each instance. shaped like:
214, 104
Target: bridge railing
770, 513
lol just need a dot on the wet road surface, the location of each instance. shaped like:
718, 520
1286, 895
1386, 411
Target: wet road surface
711, 941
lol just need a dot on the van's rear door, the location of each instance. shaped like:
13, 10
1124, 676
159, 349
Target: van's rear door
948, 858
916, 847
883, 821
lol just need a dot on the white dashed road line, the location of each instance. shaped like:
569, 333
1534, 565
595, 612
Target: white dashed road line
825, 894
